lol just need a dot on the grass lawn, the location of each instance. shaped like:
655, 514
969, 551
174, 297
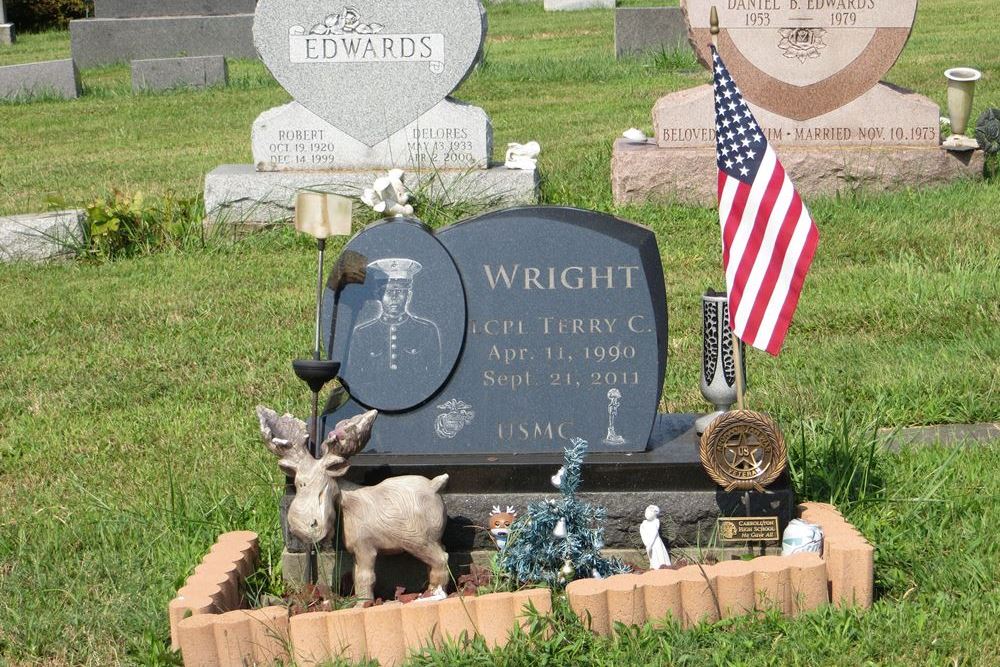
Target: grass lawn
127, 439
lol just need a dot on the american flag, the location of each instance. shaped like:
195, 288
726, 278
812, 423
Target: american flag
768, 236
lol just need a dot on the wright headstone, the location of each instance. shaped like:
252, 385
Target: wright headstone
558, 345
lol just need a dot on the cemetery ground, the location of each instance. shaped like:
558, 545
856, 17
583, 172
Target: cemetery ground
127, 435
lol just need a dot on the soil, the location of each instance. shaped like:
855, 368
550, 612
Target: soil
323, 598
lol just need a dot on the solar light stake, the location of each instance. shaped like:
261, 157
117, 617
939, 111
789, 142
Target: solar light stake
319, 215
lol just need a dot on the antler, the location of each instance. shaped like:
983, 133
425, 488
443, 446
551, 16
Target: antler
349, 436
285, 436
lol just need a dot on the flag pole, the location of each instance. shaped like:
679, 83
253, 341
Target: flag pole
737, 344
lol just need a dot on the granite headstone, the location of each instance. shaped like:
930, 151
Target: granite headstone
640, 30
7, 35
803, 58
566, 336
810, 71
128, 9
393, 58
398, 335
451, 135
188, 72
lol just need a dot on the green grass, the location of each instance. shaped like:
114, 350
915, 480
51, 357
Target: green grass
127, 440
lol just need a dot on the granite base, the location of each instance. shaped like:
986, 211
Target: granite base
645, 172
7, 34
669, 474
238, 194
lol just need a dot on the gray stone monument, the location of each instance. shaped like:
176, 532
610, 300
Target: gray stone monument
371, 85
562, 333
812, 80
126, 30
190, 72
7, 35
641, 30
58, 78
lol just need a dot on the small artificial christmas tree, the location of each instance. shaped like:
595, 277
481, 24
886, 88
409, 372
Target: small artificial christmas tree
557, 541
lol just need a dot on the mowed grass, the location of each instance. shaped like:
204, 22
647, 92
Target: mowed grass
127, 440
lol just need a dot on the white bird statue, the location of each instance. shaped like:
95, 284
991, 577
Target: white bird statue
522, 156
650, 532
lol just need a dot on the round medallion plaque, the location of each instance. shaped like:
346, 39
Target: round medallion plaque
743, 450
398, 334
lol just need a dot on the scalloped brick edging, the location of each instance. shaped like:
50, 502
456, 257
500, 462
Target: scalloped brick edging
216, 585
844, 574
389, 632
211, 629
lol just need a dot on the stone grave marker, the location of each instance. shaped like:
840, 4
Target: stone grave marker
811, 75
363, 54
565, 335
126, 30
7, 35
558, 345
575, 5
371, 82
640, 30
130, 9
60, 78
800, 58
189, 72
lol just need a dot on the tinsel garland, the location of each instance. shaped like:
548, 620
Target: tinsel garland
534, 555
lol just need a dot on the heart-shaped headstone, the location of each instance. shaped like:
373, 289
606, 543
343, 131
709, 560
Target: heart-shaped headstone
369, 67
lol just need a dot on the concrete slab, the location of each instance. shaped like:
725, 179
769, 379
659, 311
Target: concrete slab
167, 73
106, 41
238, 194
51, 77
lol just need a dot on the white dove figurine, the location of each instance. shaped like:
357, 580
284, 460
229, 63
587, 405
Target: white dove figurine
522, 156
650, 532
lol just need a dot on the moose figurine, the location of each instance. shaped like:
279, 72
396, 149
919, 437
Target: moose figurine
401, 514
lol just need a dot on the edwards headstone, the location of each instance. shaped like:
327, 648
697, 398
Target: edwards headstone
811, 73
371, 84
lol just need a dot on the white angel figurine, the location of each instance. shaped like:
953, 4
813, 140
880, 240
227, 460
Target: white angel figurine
650, 532
523, 156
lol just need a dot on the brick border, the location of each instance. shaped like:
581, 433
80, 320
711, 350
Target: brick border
212, 628
843, 575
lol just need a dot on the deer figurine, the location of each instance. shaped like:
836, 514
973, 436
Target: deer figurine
401, 514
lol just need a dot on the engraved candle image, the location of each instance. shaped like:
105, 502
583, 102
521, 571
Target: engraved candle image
614, 402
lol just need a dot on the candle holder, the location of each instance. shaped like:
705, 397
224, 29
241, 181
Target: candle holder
321, 216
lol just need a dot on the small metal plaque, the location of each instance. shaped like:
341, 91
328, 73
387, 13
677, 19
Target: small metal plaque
749, 529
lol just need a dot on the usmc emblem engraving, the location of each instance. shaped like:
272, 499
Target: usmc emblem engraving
743, 450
